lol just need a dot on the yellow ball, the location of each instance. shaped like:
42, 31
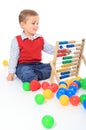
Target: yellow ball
64, 100
5, 62
77, 78
63, 86
47, 93
68, 81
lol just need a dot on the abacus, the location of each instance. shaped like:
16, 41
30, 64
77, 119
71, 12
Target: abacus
67, 59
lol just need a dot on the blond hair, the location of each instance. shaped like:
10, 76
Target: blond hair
24, 14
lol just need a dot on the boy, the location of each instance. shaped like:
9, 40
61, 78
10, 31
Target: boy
25, 52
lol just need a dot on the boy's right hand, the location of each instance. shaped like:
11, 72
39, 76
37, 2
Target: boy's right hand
10, 77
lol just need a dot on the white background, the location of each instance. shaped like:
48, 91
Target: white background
59, 20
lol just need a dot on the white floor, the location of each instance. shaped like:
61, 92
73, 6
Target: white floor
18, 110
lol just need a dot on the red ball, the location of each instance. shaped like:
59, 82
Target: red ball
34, 85
45, 85
54, 87
74, 100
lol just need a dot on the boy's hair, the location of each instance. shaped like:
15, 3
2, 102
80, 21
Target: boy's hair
24, 14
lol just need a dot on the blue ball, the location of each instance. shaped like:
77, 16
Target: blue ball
70, 92
60, 92
77, 82
74, 88
63, 82
84, 104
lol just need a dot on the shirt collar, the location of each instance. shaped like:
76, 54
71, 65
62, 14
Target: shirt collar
24, 36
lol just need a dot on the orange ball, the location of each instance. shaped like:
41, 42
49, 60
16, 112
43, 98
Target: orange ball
64, 100
47, 93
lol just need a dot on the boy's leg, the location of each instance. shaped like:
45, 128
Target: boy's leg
26, 73
43, 70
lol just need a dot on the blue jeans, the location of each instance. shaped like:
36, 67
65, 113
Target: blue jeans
27, 72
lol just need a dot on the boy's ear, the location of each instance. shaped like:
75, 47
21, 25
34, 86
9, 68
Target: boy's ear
22, 24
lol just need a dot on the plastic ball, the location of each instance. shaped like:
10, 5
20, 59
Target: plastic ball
64, 100
48, 121
68, 81
47, 93
82, 98
84, 79
60, 92
84, 104
63, 82
53, 87
26, 86
63, 86
77, 82
35, 85
74, 88
45, 85
5, 62
78, 78
74, 84
39, 99
83, 83
70, 92
74, 100
84, 87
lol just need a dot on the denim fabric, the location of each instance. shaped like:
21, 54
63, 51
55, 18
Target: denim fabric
28, 72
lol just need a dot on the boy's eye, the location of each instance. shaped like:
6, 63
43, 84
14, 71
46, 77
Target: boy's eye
35, 23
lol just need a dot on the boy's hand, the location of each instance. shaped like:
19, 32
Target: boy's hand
10, 77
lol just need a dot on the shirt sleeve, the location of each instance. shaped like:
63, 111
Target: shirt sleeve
14, 55
48, 48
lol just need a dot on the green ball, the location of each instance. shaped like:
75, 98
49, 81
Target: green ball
82, 98
48, 121
83, 83
39, 99
26, 86
84, 79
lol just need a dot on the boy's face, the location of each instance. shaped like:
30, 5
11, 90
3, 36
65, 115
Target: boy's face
30, 27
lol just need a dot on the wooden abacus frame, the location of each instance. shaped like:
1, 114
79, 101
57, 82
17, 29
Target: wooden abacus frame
79, 45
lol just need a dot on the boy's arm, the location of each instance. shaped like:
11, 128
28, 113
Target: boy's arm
48, 48
10, 77
14, 54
